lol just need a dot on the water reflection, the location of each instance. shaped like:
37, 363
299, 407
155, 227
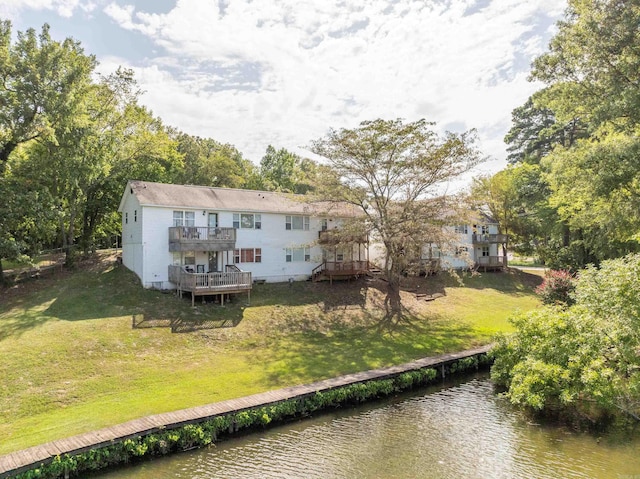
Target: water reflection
463, 431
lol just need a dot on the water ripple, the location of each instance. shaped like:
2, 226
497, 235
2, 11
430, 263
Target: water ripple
463, 431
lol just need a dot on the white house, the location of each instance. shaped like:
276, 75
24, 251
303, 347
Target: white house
216, 240
479, 245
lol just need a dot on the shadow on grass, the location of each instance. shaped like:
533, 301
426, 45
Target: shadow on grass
350, 350
511, 281
179, 325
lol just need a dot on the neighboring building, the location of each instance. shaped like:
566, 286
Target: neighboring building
219, 240
479, 246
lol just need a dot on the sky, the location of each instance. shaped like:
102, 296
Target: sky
254, 73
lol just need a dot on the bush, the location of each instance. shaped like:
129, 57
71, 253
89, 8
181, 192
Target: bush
557, 287
581, 360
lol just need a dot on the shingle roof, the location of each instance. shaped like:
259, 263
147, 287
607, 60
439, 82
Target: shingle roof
231, 199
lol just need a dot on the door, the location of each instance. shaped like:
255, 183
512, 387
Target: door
213, 261
213, 224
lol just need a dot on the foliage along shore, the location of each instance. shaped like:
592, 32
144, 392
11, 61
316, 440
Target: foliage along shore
579, 358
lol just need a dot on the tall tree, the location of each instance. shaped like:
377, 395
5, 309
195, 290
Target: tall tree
210, 163
535, 131
392, 172
41, 83
593, 63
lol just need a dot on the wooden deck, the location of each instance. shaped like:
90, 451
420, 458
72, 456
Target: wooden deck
203, 284
32, 457
330, 270
491, 263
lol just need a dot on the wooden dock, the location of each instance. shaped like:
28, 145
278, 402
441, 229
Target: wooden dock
20, 461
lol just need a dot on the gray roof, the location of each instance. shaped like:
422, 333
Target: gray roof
230, 199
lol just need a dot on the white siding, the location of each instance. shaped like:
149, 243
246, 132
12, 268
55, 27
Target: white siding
132, 235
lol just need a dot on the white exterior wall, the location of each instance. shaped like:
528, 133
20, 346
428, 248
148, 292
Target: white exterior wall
273, 239
146, 249
132, 235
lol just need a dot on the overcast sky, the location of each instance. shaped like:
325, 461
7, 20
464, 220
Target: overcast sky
282, 72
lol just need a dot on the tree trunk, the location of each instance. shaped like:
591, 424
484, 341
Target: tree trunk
3, 281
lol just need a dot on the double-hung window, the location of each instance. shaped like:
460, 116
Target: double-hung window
461, 229
296, 223
247, 221
247, 255
297, 254
184, 218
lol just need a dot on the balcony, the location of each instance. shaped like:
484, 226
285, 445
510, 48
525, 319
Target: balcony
489, 238
201, 238
333, 237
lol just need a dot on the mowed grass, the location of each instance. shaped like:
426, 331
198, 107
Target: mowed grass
71, 361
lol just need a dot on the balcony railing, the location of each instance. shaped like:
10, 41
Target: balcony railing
489, 238
201, 238
491, 262
330, 237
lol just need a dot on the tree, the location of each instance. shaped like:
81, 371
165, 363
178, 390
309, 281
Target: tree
595, 188
27, 218
210, 163
393, 172
108, 140
593, 62
281, 170
41, 83
535, 131
581, 359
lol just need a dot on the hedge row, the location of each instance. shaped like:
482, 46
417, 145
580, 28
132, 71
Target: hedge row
207, 432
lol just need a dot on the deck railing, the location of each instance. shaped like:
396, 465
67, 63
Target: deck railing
335, 236
489, 238
186, 238
210, 282
492, 261
340, 268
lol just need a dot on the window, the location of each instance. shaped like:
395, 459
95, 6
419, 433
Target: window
323, 224
184, 218
247, 255
461, 250
297, 254
189, 257
462, 229
247, 221
296, 223
485, 251
339, 257
135, 215
126, 218
484, 229
178, 218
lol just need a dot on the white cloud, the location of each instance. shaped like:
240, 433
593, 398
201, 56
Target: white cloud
64, 8
284, 71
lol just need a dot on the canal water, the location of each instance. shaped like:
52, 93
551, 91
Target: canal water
456, 431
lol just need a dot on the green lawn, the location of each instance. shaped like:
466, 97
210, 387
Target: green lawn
72, 362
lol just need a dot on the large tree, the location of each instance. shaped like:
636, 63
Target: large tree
208, 162
41, 83
593, 63
394, 173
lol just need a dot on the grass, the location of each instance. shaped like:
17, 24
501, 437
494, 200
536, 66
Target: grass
71, 361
